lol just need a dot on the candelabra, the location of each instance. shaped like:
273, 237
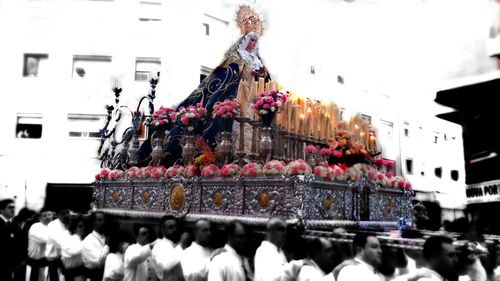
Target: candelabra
108, 134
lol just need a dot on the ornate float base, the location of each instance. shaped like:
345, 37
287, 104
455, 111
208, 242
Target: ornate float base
317, 204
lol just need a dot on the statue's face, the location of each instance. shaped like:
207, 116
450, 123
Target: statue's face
251, 44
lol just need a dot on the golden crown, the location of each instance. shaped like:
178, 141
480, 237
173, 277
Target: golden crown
248, 19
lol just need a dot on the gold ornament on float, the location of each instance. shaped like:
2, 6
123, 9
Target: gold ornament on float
249, 20
263, 200
177, 197
116, 196
388, 207
217, 198
145, 197
327, 202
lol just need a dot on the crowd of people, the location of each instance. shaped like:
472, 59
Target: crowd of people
71, 246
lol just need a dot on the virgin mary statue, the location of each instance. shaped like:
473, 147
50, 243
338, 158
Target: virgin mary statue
231, 79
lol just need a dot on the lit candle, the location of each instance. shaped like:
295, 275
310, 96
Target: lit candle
261, 85
309, 117
301, 124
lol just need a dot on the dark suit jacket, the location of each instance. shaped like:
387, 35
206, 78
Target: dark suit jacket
10, 249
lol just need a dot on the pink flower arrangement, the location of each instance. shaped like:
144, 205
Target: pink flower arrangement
269, 102
251, 169
158, 172
382, 162
273, 167
115, 174
325, 172
131, 172
354, 173
330, 152
339, 172
229, 170
226, 109
210, 171
144, 172
175, 170
190, 171
297, 167
163, 116
190, 116
310, 149
103, 174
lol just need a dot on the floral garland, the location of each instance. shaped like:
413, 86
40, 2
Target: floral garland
229, 170
175, 170
251, 169
273, 167
210, 171
325, 172
226, 109
103, 174
297, 167
190, 171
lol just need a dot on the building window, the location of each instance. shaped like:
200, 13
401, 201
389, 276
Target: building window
32, 64
144, 66
387, 128
409, 166
204, 72
438, 171
91, 67
454, 175
29, 126
206, 26
406, 129
85, 125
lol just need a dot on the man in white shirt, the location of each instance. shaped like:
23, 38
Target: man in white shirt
195, 258
135, 259
228, 264
368, 258
269, 257
319, 265
56, 232
37, 242
441, 258
94, 248
167, 255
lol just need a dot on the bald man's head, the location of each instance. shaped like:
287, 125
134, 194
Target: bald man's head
202, 232
276, 231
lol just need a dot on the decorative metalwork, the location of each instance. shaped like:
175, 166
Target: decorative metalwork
149, 196
266, 196
221, 196
188, 149
325, 200
265, 144
224, 149
178, 196
126, 157
306, 199
118, 195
